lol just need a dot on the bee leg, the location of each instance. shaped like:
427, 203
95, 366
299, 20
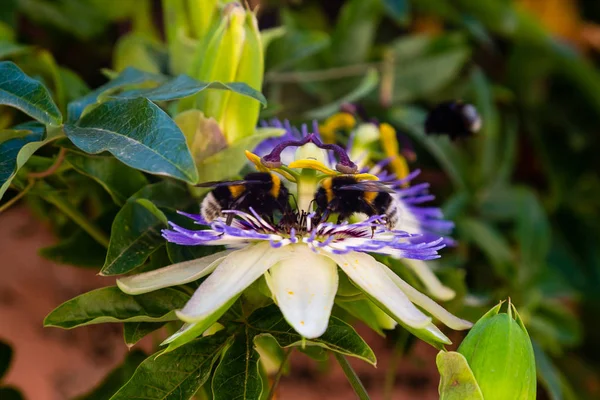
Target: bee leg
229, 219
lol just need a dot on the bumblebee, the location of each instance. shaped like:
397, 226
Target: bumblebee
261, 191
453, 118
346, 195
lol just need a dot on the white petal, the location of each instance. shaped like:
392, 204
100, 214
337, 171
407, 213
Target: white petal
431, 282
176, 274
304, 287
431, 306
372, 278
234, 274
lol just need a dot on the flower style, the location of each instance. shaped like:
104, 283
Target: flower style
299, 256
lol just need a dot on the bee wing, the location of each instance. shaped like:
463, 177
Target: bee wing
369, 186
227, 183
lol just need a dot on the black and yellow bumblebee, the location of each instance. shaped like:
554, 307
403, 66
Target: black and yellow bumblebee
261, 191
453, 118
346, 195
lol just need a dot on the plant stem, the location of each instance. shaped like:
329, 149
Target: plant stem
355, 382
279, 374
18, 197
321, 75
53, 168
92, 230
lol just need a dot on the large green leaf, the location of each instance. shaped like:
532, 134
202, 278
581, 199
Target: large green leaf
16, 146
119, 180
110, 304
27, 94
230, 161
138, 133
166, 194
339, 336
117, 377
133, 332
237, 376
184, 86
176, 375
293, 47
457, 381
129, 77
135, 234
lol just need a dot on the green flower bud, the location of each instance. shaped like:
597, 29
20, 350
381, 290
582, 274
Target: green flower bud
500, 355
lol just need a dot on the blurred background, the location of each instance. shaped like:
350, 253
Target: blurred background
524, 192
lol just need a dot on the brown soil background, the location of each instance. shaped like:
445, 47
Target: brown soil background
54, 364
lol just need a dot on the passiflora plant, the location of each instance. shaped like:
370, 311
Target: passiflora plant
242, 240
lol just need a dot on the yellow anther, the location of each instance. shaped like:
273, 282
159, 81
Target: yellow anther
389, 142
254, 159
334, 123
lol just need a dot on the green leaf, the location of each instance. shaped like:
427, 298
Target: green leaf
184, 86
230, 161
129, 77
366, 86
138, 133
135, 234
339, 336
117, 378
427, 69
166, 194
5, 358
490, 241
354, 33
293, 47
398, 10
133, 332
16, 146
237, 376
548, 374
27, 94
10, 49
176, 375
457, 381
110, 304
116, 178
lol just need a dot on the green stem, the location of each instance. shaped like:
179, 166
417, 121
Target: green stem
95, 232
355, 382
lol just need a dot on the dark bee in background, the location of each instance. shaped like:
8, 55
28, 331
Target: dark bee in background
453, 118
261, 191
345, 195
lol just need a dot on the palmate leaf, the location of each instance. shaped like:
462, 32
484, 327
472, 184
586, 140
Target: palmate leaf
133, 332
339, 336
176, 375
184, 86
138, 133
16, 146
110, 304
27, 94
116, 178
135, 234
237, 376
129, 77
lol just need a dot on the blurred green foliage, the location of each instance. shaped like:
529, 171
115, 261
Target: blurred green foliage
524, 192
